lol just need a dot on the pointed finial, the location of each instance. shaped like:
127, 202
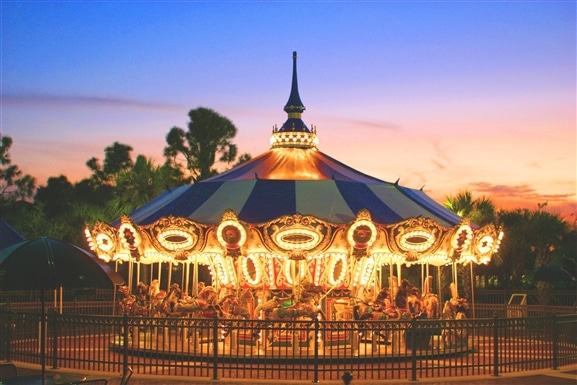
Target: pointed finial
294, 104
294, 132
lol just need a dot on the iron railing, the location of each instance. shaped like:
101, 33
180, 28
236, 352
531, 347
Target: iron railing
293, 350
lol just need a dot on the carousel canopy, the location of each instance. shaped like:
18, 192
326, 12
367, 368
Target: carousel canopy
274, 184
293, 202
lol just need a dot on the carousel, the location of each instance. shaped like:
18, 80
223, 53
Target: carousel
292, 233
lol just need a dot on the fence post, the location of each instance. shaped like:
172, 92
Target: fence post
495, 345
7, 335
555, 343
316, 347
413, 349
215, 346
125, 343
52, 326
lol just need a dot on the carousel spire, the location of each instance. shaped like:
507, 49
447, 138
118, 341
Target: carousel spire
294, 104
294, 132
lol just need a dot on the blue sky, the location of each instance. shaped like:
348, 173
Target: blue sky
477, 96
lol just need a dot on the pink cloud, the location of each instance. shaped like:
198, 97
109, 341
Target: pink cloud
525, 197
81, 100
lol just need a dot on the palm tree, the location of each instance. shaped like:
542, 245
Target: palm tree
546, 234
139, 184
480, 211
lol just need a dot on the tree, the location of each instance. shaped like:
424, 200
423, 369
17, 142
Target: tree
209, 135
545, 235
116, 159
13, 185
141, 183
480, 211
57, 196
243, 158
533, 238
515, 249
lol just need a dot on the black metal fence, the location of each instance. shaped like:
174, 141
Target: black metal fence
300, 350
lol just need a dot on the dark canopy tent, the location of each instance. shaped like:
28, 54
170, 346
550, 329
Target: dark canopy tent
8, 236
49, 263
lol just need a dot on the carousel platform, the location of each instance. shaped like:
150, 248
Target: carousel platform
286, 347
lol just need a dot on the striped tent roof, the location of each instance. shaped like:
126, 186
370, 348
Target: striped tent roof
274, 184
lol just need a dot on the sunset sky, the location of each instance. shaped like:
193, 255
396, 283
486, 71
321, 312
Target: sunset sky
453, 96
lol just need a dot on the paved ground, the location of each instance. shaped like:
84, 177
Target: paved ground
564, 376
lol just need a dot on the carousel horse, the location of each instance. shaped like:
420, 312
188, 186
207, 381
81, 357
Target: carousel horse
129, 304
208, 294
142, 297
232, 307
408, 299
204, 305
196, 307
174, 295
341, 307
430, 300
455, 308
271, 304
378, 310
288, 308
165, 304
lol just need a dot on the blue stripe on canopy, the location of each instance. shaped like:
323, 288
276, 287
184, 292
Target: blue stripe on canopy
144, 211
359, 196
269, 199
419, 196
403, 205
261, 200
183, 204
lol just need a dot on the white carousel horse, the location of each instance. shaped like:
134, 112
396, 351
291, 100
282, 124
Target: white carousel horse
455, 308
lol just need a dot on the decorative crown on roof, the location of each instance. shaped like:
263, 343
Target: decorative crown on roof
294, 132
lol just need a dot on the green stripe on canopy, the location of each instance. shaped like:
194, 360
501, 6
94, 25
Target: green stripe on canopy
229, 196
323, 200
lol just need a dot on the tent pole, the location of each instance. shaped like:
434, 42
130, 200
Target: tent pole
439, 284
43, 335
169, 279
422, 278
159, 274
186, 275
390, 277
195, 276
472, 289
130, 274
